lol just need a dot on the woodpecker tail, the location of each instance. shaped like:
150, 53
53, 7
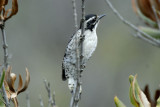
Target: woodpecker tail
63, 75
71, 84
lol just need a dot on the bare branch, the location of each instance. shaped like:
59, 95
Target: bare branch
76, 95
53, 101
5, 46
51, 98
75, 14
28, 100
41, 101
147, 40
77, 52
147, 37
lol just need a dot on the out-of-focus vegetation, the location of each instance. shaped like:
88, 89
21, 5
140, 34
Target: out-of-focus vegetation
139, 98
149, 12
38, 36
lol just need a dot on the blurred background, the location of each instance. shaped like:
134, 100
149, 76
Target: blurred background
37, 37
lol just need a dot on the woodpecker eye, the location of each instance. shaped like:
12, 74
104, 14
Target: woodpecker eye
93, 20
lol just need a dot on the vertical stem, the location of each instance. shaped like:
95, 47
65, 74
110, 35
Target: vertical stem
82, 30
76, 95
5, 96
41, 101
47, 86
5, 46
51, 98
53, 101
75, 14
72, 102
28, 100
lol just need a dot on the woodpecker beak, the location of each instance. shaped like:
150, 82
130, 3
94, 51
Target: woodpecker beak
101, 16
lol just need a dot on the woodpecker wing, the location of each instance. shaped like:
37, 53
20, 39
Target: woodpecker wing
69, 59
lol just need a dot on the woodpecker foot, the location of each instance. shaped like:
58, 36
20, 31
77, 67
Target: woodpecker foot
82, 67
80, 92
82, 56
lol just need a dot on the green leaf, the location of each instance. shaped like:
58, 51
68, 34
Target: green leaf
132, 92
146, 19
2, 78
1, 101
118, 102
137, 97
151, 31
158, 102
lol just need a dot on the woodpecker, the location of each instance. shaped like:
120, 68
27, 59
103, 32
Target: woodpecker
89, 45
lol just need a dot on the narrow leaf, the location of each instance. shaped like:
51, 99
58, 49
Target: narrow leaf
144, 100
2, 4
158, 102
151, 31
131, 94
14, 9
146, 9
2, 78
20, 84
137, 97
10, 79
118, 102
26, 82
146, 19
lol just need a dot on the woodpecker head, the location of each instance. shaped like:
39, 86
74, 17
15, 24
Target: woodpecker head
91, 21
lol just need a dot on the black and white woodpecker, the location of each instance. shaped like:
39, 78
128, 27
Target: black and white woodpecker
89, 45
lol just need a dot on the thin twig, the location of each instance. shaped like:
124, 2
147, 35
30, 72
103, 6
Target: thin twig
51, 98
54, 100
77, 52
28, 100
5, 46
41, 101
47, 86
76, 95
147, 40
146, 36
75, 14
